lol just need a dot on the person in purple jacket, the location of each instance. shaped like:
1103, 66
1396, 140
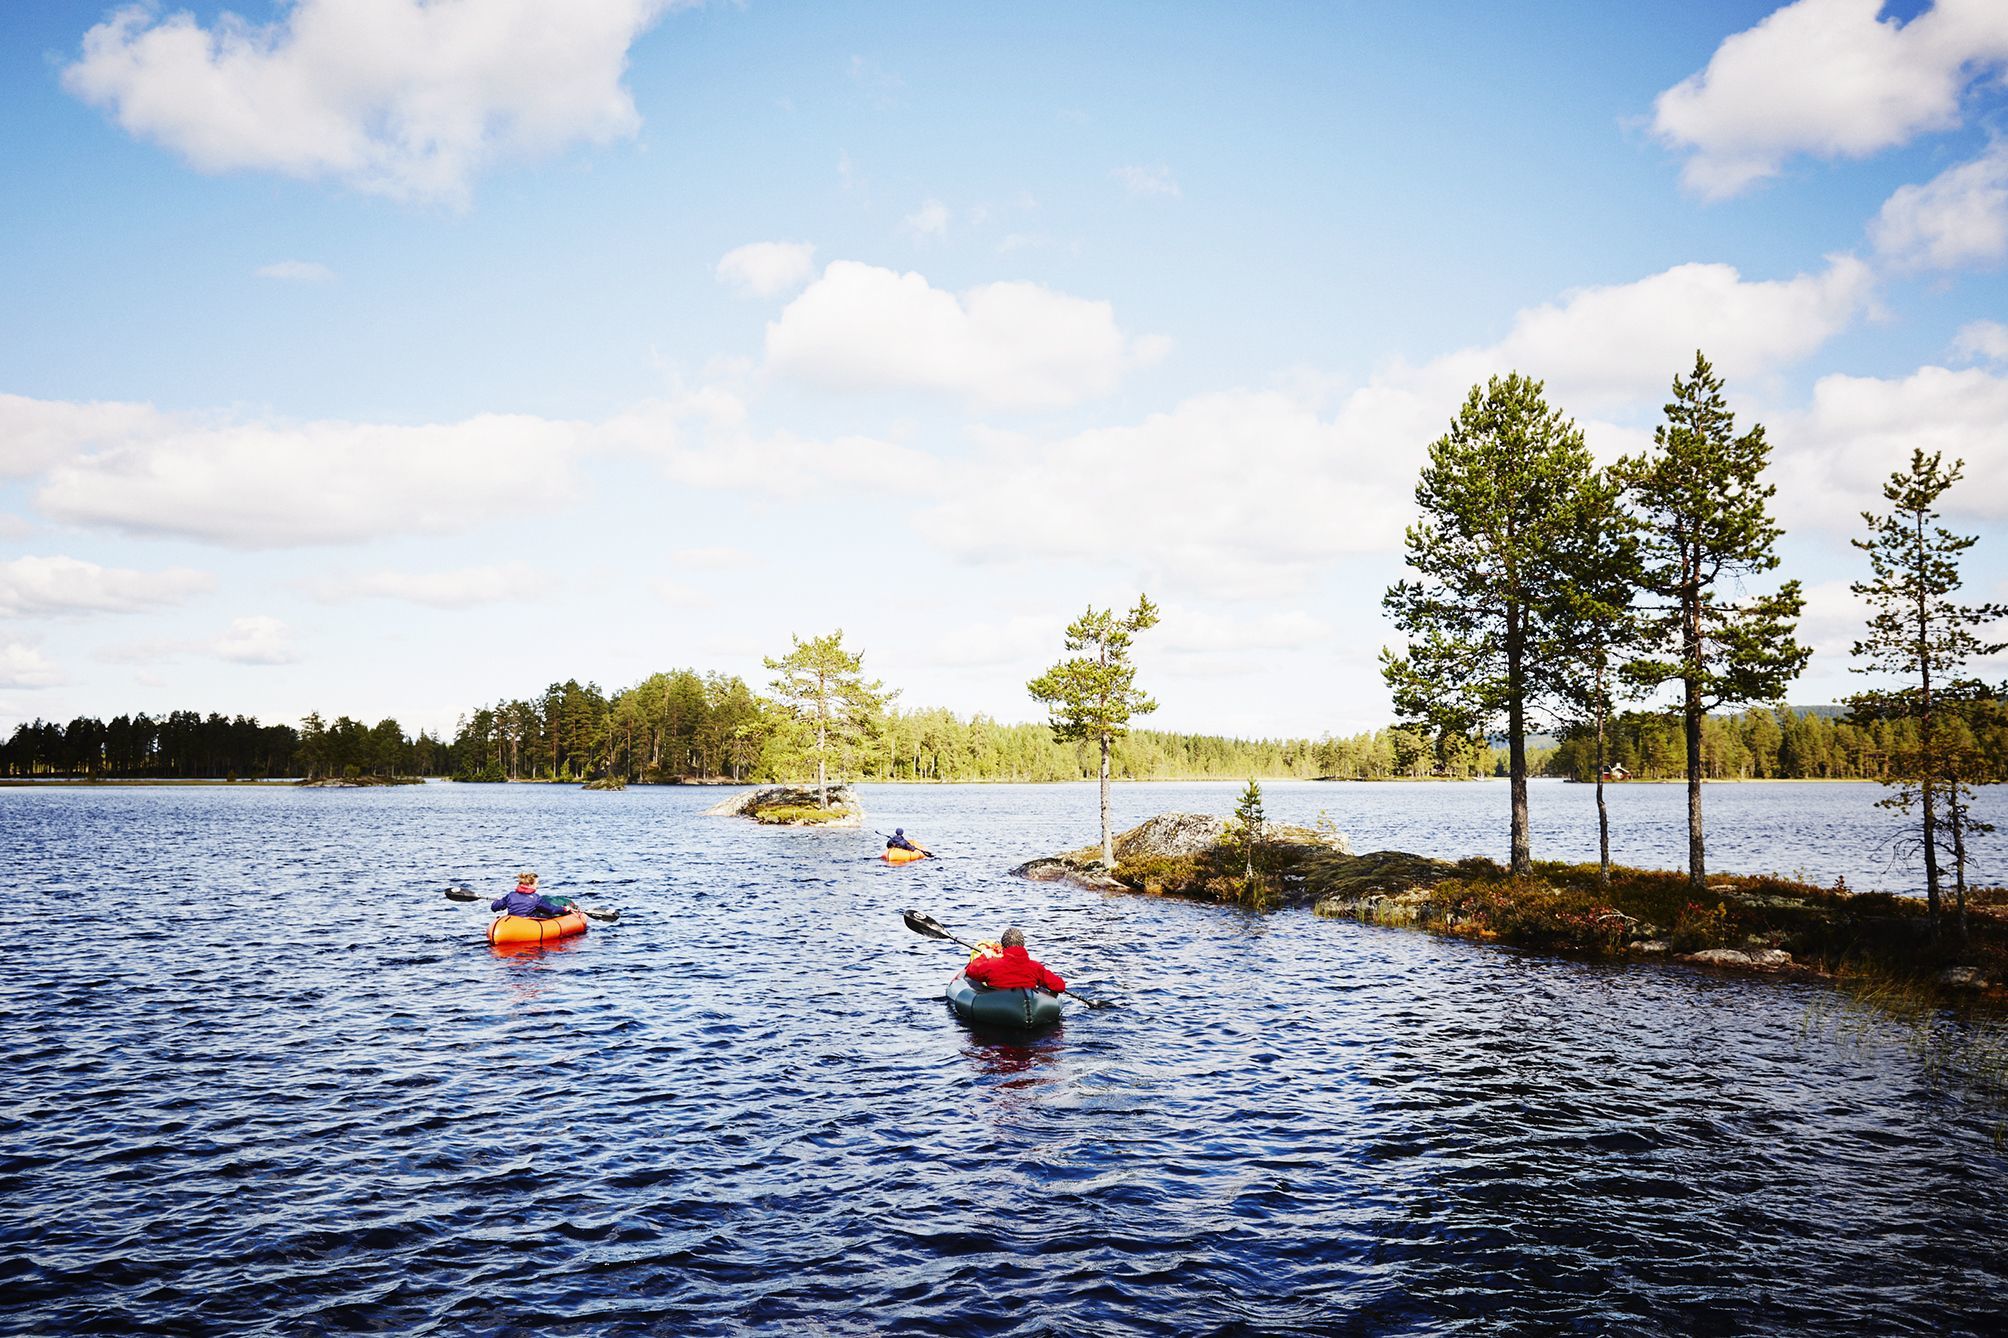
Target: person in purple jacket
526, 900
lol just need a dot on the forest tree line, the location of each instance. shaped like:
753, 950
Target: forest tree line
683, 726
1776, 744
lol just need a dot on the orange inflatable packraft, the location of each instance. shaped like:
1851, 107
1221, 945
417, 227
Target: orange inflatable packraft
530, 929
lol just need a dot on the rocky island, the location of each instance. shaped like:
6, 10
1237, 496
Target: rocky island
1741, 922
793, 806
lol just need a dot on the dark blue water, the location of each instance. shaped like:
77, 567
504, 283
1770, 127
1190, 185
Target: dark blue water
265, 1079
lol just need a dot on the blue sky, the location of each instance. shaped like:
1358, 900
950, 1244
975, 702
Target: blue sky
386, 358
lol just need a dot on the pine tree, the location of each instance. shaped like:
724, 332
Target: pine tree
822, 685
1922, 636
1599, 633
1704, 528
1094, 696
1506, 499
1249, 821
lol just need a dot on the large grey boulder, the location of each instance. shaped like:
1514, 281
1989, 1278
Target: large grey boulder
792, 806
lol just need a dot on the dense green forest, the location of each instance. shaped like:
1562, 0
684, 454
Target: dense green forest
683, 726
686, 726
181, 745
1778, 744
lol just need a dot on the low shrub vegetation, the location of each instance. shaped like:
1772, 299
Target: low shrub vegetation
805, 815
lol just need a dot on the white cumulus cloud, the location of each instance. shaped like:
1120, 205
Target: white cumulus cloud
1606, 346
1832, 458
999, 345
45, 586
256, 640
1249, 493
26, 667
265, 485
35, 434
1827, 77
398, 97
767, 268
466, 587
1987, 340
1958, 218
1238, 492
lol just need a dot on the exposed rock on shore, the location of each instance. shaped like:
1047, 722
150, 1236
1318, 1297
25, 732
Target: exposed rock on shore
605, 783
356, 782
792, 806
1187, 854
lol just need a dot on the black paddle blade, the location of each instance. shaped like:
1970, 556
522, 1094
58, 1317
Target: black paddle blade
921, 924
461, 894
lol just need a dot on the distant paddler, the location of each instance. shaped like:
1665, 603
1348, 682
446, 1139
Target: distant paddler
900, 850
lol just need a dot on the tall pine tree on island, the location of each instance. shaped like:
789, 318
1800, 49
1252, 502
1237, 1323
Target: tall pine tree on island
1094, 696
1704, 528
1923, 637
1509, 502
1599, 632
822, 686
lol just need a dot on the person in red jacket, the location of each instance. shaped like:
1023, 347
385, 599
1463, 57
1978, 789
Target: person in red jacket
1011, 968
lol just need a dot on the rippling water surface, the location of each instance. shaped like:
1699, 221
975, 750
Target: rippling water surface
263, 1078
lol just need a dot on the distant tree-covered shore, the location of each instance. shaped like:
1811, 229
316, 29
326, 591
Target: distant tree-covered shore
685, 726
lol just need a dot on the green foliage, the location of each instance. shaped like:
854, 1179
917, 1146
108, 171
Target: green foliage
1216, 875
1920, 635
1775, 744
1092, 697
1163, 874
821, 686
1513, 513
1531, 912
1245, 834
797, 815
1703, 530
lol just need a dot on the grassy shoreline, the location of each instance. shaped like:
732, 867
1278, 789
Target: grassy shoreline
1742, 922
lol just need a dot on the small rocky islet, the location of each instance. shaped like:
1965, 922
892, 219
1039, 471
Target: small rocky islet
794, 806
1743, 923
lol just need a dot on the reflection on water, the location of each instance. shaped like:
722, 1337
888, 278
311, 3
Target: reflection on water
1017, 1065
238, 1101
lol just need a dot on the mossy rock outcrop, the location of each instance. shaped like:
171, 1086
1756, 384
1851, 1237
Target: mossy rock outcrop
793, 806
356, 782
605, 783
1195, 855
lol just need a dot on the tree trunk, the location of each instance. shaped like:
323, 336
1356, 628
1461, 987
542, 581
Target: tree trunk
1690, 637
1108, 839
1516, 743
1927, 751
1603, 813
1956, 815
822, 779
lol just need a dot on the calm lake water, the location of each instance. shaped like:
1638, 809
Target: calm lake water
263, 1078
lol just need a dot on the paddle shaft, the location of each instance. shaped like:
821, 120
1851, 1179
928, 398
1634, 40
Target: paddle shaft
590, 912
927, 925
